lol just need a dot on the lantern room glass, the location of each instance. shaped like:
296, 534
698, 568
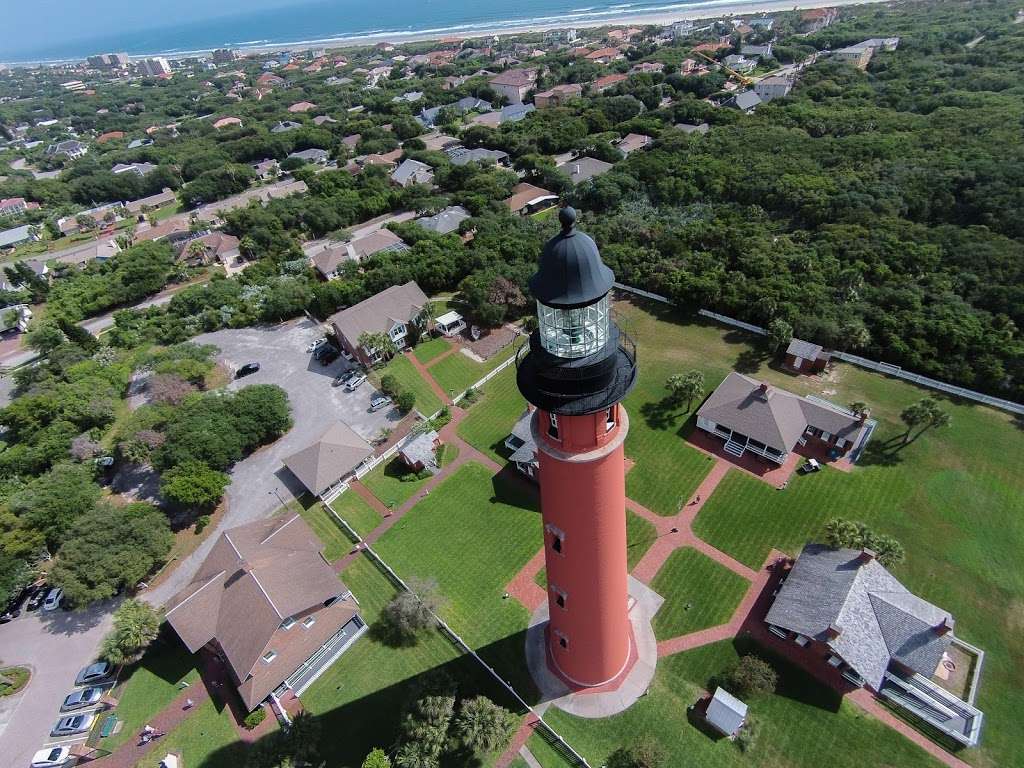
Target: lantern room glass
574, 332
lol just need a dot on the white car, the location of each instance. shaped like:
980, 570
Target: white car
355, 382
53, 598
315, 345
51, 757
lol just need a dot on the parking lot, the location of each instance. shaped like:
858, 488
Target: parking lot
55, 646
260, 482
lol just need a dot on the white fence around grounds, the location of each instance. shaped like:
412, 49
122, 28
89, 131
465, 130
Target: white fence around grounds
887, 368
454, 637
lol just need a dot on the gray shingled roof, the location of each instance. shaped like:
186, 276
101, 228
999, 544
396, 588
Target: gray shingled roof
462, 155
805, 349
522, 431
744, 101
444, 222
774, 416
725, 712
878, 618
583, 168
421, 450
412, 171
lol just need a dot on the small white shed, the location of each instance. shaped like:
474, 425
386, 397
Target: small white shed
726, 713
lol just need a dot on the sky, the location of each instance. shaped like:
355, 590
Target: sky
31, 23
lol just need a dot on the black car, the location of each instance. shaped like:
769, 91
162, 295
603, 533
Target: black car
37, 597
324, 349
329, 356
13, 609
247, 370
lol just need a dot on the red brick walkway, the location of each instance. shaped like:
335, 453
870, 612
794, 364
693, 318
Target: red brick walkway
523, 587
131, 752
863, 699
521, 737
425, 375
449, 436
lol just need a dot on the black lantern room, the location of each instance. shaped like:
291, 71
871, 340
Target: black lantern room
578, 360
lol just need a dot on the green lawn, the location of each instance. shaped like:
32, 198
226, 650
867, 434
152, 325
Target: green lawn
954, 498
472, 534
205, 738
640, 535
457, 372
351, 507
428, 350
699, 593
160, 214
427, 402
491, 419
336, 541
546, 755
150, 685
363, 694
385, 482
802, 726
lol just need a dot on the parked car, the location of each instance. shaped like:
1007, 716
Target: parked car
329, 356
322, 350
82, 697
53, 599
355, 382
247, 370
37, 597
96, 672
342, 378
51, 757
380, 401
72, 724
315, 344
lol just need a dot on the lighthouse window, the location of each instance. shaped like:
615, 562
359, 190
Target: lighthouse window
575, 332
556, 543
553, 425
559, 597
609, 419
562, 639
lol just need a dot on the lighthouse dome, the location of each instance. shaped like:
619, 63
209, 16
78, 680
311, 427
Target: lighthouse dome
571, 272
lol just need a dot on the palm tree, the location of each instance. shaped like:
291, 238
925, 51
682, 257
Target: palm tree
483, 727
693, 387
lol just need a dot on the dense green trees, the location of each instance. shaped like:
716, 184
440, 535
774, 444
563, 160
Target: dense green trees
136, 625
109, 548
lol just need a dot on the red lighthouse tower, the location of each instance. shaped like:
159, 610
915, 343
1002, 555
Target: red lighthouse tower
578, 369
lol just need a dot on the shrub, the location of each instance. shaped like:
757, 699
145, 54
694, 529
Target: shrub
389, 385
643, 753
747, 735
406, 401
377, 758
405, 617
201, 522
751, 675
254, 718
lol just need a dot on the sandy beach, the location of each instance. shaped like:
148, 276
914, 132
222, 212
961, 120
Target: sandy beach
710, 12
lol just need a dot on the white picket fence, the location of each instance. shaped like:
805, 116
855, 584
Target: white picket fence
887, 368
457, 640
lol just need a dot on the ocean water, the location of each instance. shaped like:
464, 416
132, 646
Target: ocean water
228, 25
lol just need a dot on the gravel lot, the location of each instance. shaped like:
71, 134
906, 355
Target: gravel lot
257, 481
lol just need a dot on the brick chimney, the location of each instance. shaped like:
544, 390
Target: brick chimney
864, 415
866, 556
945, 626
763, 390
833, 632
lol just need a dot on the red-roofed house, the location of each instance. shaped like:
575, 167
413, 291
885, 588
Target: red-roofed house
602, 84
109, 136
225, 122
514, 83
604, 55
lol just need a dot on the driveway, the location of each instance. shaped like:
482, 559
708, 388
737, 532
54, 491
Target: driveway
55, 646
260, 482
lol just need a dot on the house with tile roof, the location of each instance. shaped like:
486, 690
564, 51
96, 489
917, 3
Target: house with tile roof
513, 84
267, 602
756, 417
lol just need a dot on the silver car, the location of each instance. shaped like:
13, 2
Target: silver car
83, 697
94, 673
72, 724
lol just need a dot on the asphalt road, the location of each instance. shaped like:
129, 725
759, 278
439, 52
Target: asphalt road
260, 482
55, 646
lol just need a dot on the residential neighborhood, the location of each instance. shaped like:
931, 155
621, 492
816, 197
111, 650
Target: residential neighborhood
608, 388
